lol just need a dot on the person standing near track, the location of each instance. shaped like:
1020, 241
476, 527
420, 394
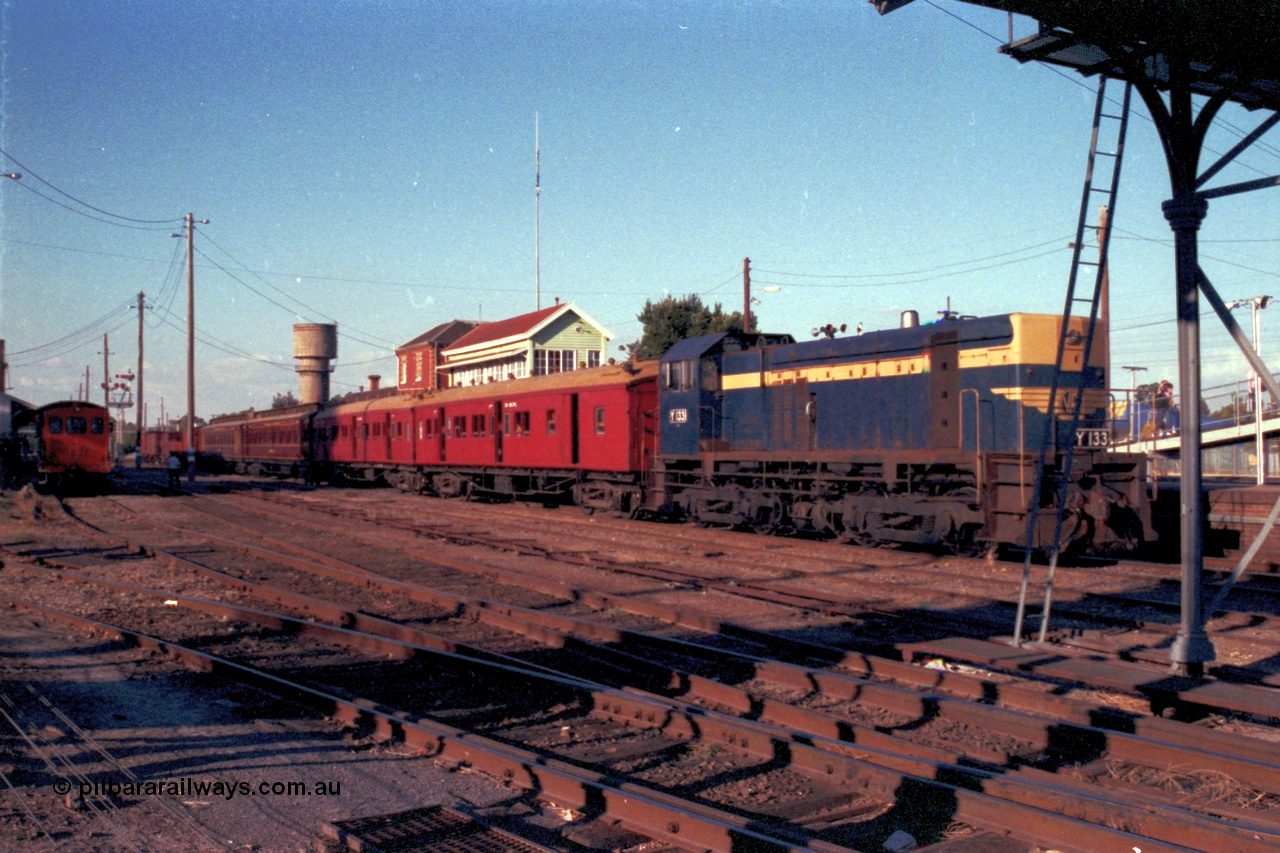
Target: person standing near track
1166, 409
174, 465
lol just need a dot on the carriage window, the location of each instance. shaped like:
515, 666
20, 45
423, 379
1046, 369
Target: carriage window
551, 421
77, 426
95, 426
599, 420
477, 425
460, 426
522, 423
55, 425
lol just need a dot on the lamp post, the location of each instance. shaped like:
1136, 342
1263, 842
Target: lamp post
1133, 389
1257, 303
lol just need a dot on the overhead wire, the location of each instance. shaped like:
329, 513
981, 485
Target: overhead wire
70, 342
308, 309
221, 345
1076, 80
135, 223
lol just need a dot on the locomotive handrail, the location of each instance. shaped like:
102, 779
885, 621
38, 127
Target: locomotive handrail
977, 432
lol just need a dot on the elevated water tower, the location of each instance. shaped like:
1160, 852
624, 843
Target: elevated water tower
314, 345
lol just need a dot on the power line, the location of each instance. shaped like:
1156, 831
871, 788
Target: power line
1060, 242
307, 308
27, 171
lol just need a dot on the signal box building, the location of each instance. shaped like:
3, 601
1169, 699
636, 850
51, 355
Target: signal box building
419, 359
557, 339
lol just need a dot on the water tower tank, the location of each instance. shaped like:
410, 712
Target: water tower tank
314, 345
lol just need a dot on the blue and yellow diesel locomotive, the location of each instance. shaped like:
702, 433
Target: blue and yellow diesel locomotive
928, 434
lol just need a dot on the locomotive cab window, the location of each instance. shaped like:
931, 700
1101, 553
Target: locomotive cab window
679, 375
96, 426
54, 425
77, 426
710, 375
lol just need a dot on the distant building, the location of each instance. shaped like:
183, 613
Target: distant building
553, 340
419, 359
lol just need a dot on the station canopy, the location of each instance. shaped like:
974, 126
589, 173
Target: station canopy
1229, 47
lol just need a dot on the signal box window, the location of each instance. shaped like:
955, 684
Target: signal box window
593, 358
599, 420
569, 359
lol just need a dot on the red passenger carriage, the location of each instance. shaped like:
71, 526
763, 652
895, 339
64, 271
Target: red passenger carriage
584, 436
274, 442
158, 443
70, 442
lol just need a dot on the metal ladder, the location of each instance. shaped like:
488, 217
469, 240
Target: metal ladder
1107, 184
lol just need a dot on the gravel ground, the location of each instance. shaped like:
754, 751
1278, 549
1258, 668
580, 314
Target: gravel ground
130, 719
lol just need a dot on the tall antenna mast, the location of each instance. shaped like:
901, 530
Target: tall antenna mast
537, 201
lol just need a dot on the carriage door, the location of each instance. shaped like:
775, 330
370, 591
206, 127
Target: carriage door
496, 423
573, 429
944, 390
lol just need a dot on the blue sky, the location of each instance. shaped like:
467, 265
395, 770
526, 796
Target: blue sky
372, 163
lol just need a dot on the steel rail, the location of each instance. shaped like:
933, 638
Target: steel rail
970, 705
659, 815
776, 725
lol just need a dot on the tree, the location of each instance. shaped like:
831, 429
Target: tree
674, 320
283, 401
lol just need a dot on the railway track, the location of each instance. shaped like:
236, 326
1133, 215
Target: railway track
1097, 609
920, 726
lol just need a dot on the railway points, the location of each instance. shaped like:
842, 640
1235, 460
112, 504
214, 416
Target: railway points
1008, 736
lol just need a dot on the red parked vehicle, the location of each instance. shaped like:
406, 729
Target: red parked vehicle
69, 444
274, 442
583, 436
157, 444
